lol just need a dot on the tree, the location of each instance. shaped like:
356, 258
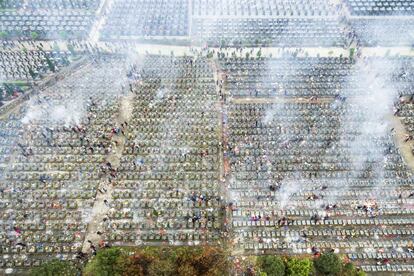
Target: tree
32, 73
161, 268
128, 267
55, 268
328, 264
135, 265
9, 89
187, 270
34, 35
185, 254
105, 263
210, 261
159, 261
351, 53
3, 35
299, 267
50, 64
350, 270
272, 265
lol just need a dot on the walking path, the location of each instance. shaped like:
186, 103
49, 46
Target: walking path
101, 208
404, 147
100, 21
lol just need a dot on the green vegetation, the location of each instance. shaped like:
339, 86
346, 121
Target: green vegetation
328, 264
158, 261
271, 265
55, 268
299, 267
20, 83
9, 89
350, 270
107, 262
32, 73
50, 65
194, 261
351, 53
3, 35
34, 35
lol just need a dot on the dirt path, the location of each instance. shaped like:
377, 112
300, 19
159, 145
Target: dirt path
404, 147
100, 208
219, 106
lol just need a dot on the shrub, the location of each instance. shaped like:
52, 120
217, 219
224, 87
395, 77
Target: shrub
328, 264
105, 263
299, 267
55, 268
271, 265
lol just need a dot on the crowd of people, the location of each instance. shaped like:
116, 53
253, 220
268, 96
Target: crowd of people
168, 177
292, 154
304, 76
53, 150
306, 167
262, 77
56, 161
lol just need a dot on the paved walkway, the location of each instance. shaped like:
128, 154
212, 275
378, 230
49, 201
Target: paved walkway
160, 49
97, 26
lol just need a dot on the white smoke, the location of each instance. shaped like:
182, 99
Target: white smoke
67, 101
58, 114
